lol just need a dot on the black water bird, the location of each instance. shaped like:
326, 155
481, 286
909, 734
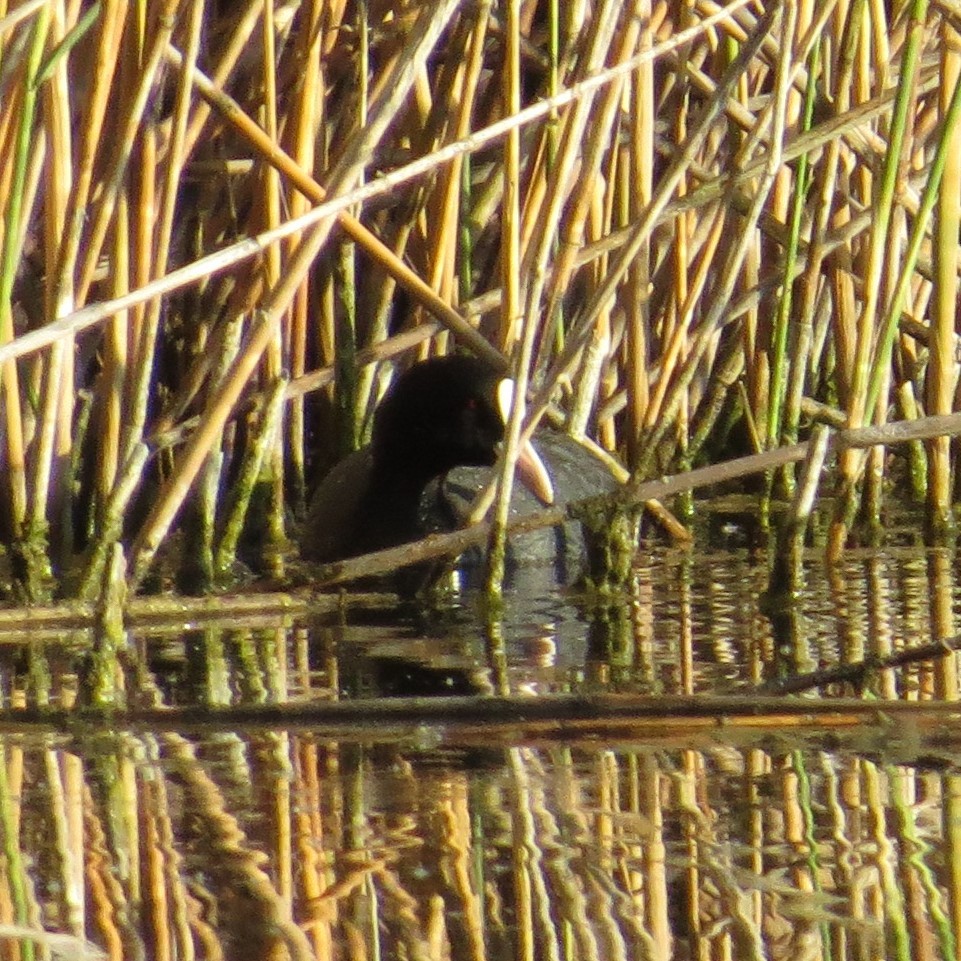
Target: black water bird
436, 435
439, 414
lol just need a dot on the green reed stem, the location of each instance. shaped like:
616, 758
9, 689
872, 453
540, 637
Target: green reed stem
882, 212
806, 804
21, 162
919, 852
779, 380
466, 234
929, 197
70, 40
255, 454
34, 555
349, 414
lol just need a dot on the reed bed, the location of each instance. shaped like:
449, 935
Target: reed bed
689, 228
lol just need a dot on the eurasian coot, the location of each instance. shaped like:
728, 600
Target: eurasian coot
439, 414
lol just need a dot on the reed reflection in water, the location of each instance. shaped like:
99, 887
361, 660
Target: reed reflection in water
667, 840
285, 846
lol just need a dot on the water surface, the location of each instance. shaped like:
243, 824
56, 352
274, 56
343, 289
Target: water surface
788, 836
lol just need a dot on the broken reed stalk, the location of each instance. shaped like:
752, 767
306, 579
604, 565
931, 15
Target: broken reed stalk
642, 236
859, 673
168, 613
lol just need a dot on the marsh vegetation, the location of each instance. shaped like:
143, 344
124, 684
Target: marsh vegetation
691, 230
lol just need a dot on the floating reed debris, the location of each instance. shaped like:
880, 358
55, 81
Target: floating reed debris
682, 225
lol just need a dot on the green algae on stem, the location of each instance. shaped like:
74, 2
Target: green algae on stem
250, 486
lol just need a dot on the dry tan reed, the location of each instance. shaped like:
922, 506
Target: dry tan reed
693, 223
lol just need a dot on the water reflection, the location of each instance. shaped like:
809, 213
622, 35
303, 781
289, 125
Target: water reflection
275, 840
285, 846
